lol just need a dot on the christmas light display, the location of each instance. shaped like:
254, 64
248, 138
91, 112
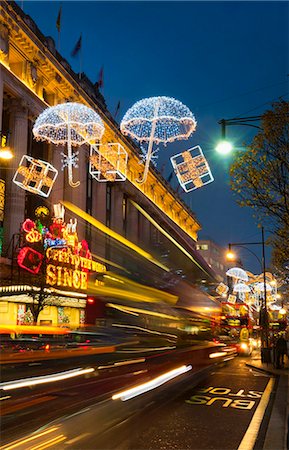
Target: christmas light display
108, 162
29, 259
68, 260
192, 169
241, 288
238, 273
73, 124
260, 287
35, 175
232, 298
222, 289
157, 120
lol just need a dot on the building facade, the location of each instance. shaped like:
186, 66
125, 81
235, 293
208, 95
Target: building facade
143, 231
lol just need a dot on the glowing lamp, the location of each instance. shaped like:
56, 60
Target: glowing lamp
6, 153
230, 256
282, 311
224, 148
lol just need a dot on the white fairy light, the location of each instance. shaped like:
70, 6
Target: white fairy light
108, 162
174, 120
85, 124
237, 272
192, 169
71, 124
157, 120
241, 288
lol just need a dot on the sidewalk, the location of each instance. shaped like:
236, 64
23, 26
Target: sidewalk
277, 431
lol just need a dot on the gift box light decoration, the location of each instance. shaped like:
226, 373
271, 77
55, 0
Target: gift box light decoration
192, 169
69, 123
35, 175
157, 120
222, 289
108, 162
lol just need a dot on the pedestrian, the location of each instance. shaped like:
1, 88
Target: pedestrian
281, 350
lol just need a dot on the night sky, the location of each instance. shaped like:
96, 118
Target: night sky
221, 59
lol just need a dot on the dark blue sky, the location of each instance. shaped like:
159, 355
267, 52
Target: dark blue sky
221, 59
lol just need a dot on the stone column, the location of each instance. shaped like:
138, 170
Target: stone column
116, 209
99, 212
15, 197
132, 223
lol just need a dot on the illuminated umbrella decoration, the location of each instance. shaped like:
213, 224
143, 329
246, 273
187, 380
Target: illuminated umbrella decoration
237, 272
71, 124
260, 287
157, 120
241, 288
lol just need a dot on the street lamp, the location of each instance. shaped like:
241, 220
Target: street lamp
225, 147
263, 316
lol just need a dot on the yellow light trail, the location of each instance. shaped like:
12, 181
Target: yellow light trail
118, 237
164, 232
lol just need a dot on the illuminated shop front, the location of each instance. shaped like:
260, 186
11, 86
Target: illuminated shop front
55, 267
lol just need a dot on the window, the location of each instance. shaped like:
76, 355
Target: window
204, 247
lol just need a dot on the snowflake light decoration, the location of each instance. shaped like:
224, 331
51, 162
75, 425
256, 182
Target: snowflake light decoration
157, 120
192, 169
73, 124
108, 162
35, 175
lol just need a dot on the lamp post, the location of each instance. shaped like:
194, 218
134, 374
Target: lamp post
225, 147
263, 315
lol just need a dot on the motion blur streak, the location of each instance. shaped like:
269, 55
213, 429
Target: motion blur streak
16, 384
146, 311
49, 443
150, 219
112, 234
123, 363
217, 354
156, 382
146, 330
19, 442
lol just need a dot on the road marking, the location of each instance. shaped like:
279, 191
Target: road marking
251, 434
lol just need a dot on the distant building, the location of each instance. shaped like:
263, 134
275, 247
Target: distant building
214, 255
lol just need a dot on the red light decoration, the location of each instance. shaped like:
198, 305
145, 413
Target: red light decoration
30, 259
28, 225
90, 300
33, 236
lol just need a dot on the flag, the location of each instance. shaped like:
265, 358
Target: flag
77, 46
58, 21
117, 109
100, 78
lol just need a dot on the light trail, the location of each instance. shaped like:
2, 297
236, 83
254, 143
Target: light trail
25, 382
152, 384
118, 237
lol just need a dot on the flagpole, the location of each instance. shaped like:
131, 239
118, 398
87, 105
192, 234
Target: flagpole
80, 59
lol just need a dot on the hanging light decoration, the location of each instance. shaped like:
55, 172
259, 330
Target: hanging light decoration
35, 175
241, 288
222, 289
238, 273
73, 124
157, 120
108, 162
260, 287
192, 169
